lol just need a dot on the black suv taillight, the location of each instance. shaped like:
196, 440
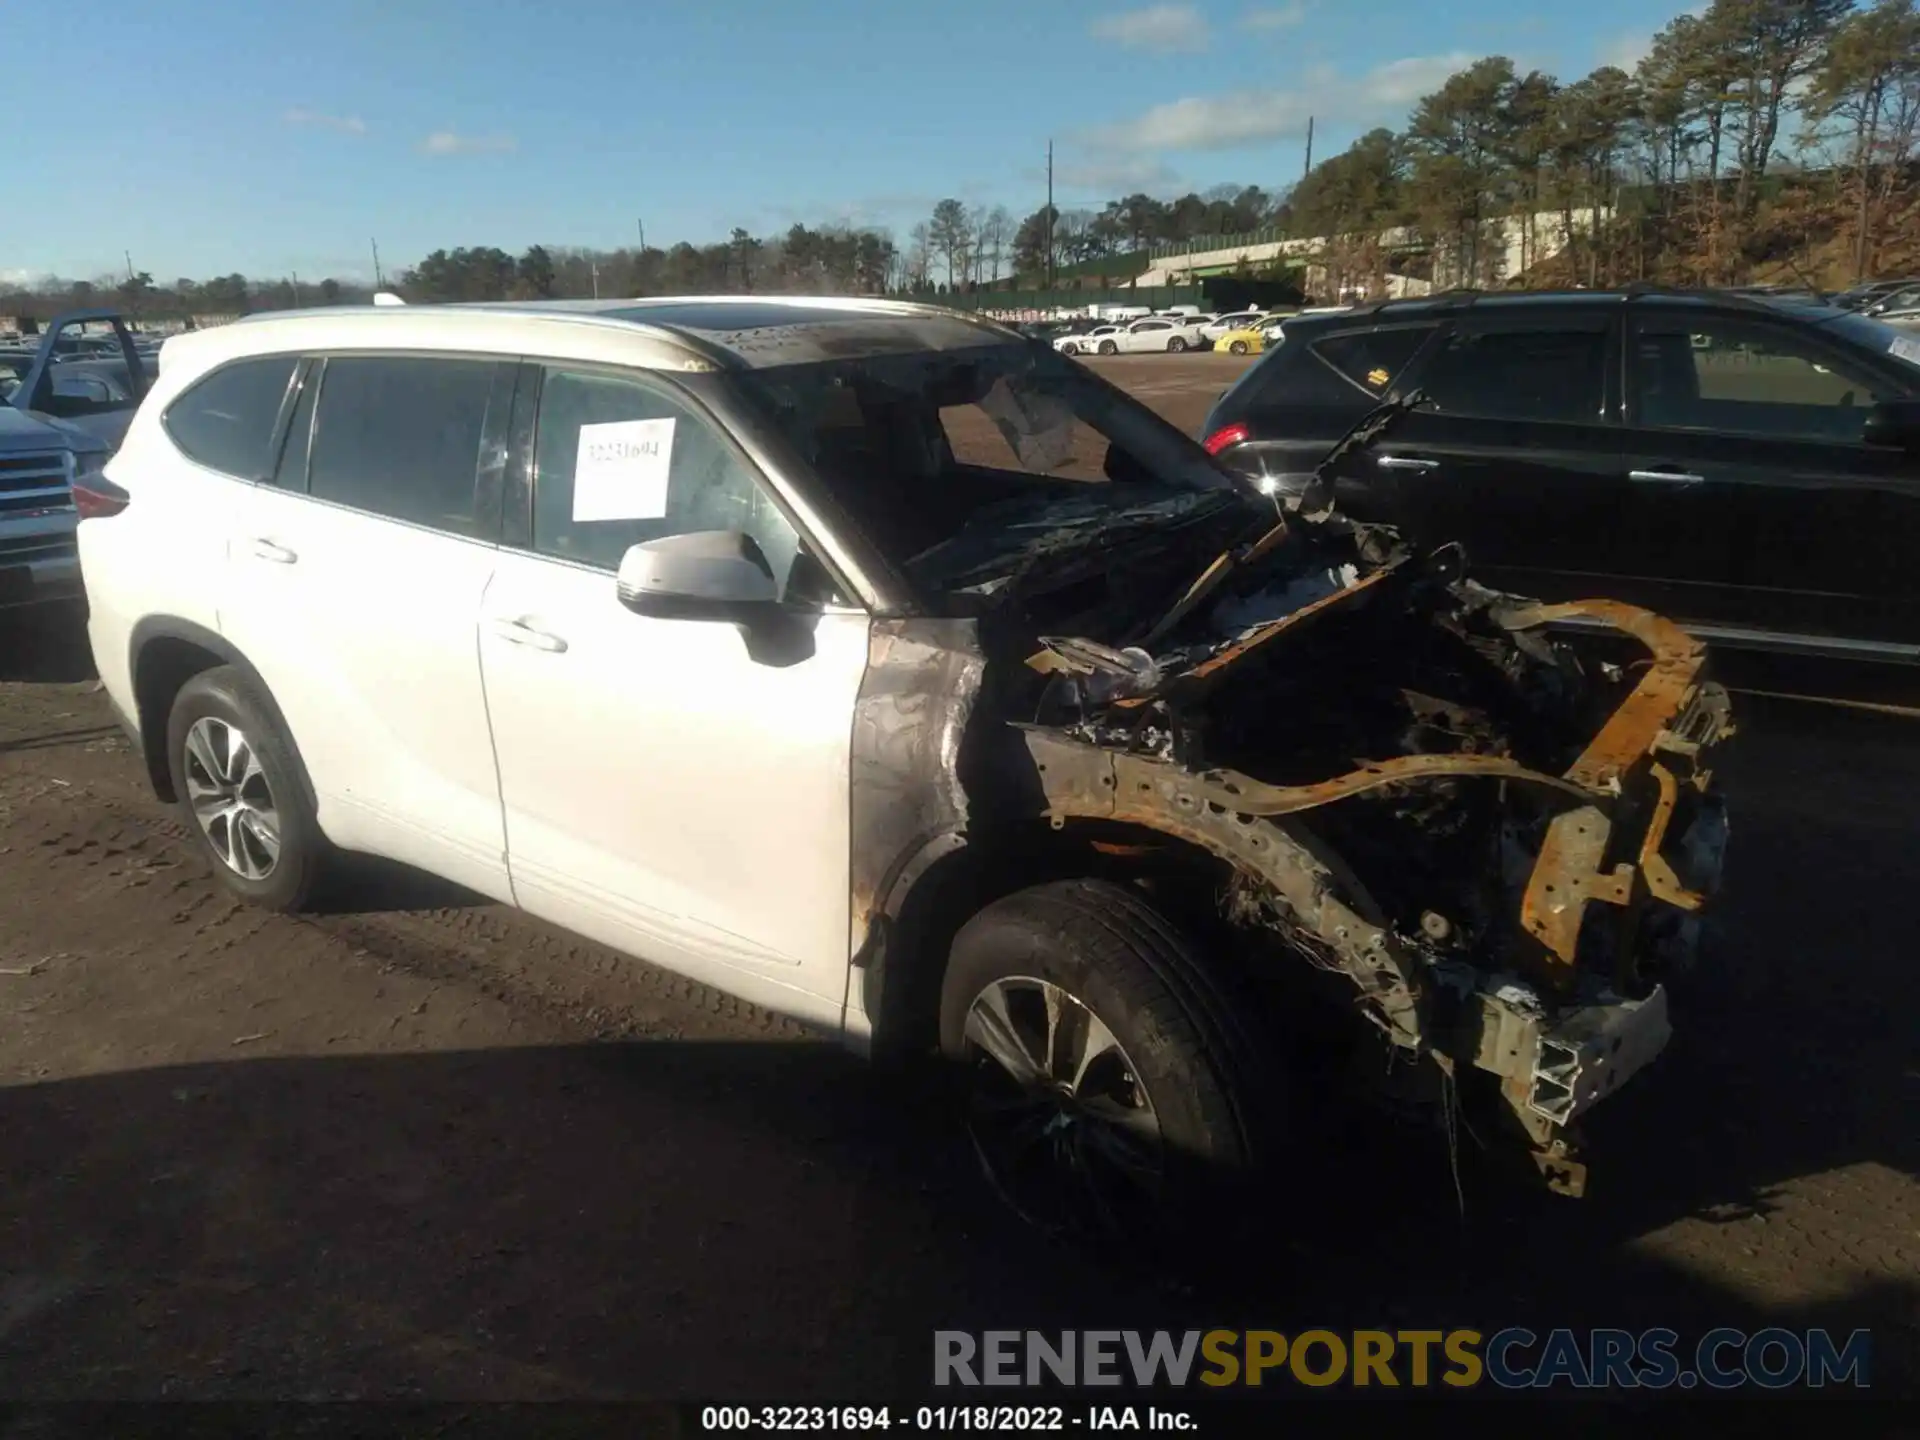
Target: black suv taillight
97, 497
1225, 436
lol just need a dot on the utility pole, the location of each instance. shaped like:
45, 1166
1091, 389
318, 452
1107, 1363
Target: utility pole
594, 265
1309, 166
379, 280
296, 289
643, 235
1049, 214
129, 255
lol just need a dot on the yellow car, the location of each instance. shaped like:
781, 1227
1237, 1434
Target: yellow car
1248, 340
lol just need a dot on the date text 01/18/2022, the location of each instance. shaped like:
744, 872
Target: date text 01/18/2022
940, 1419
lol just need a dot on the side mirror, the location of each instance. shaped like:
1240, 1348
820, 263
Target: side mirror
705, 575
1894, 424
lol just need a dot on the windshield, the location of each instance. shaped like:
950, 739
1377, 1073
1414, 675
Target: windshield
960, 461
1870, 334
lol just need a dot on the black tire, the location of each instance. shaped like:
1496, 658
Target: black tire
1107, 347
1211, 1094
230, 698
1238, 347
1176, 345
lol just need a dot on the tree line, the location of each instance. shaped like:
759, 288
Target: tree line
1759, 133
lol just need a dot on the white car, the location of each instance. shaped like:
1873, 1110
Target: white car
1092, 342
1156, 332
725, 632
1238, 320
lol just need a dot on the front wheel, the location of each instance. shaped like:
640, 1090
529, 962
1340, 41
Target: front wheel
1110, 1090
1238, 347
1176, 345
1107, 347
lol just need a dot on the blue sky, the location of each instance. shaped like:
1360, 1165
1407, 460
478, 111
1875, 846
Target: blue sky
207, 136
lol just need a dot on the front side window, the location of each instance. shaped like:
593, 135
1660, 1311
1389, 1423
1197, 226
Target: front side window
225, 422
1540, 375
399, 436
1737, 377
619, 460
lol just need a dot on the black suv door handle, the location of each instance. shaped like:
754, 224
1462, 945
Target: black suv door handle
1666, 476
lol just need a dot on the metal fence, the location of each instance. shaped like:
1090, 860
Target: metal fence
1201, 244
1153, 297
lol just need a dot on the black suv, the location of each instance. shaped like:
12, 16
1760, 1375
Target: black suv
1748, 466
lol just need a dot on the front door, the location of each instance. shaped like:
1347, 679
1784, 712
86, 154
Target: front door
673, 788
1745, 435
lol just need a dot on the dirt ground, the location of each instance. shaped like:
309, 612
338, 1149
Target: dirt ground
422, 1147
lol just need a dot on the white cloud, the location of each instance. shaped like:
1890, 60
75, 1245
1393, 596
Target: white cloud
1106, 176
1165, 28
448, 142
1220, 122
345, 124
21, 279
1276, 17
1626, 49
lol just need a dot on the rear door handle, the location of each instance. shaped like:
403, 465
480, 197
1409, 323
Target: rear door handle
1667, 477
276, 554
518, 632
1407, 462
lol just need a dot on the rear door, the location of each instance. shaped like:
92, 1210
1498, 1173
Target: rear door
1743, 443
355, 586
1516, 458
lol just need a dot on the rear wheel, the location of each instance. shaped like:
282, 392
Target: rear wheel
1238, 347
1110, 1092
1176, 345
1107, 347
240, 789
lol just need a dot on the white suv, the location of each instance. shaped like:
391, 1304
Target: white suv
847, 656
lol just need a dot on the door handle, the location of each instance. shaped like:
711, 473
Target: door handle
1667, 477
276, 554
518, 632
1407, 462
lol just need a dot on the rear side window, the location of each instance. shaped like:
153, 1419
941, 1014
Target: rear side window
1373, 359
1554, 376
399, 436
225, 422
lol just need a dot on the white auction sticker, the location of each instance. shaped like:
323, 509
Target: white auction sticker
1906, 348
620, 470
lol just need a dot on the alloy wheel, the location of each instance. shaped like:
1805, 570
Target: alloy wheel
231, 798
1059, 1117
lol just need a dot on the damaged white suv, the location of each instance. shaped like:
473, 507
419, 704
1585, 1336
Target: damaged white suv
884, 668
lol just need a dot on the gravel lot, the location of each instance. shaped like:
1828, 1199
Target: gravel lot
422, 1147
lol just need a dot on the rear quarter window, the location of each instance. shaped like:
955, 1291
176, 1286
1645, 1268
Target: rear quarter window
226, 420
1373, 359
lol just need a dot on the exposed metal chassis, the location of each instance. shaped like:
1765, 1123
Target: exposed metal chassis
1556, 1052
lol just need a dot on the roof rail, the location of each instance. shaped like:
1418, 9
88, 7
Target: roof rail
1454, 299
1733, 298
